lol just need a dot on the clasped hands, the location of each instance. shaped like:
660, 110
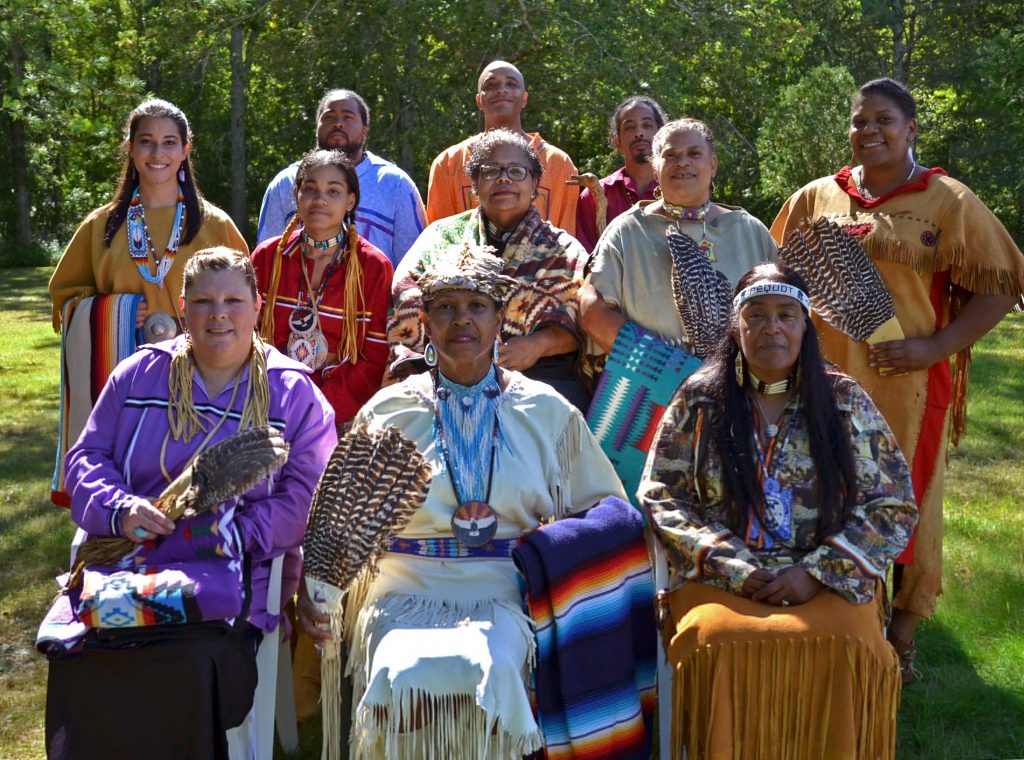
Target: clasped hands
794, 585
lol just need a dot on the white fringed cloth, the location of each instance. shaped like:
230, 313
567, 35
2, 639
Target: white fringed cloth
442, 679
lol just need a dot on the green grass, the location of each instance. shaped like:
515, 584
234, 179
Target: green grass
970, 705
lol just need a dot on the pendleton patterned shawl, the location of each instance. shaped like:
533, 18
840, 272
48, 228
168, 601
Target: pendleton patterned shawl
547, 262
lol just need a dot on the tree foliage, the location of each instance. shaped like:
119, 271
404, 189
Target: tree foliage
249, 74
805, 136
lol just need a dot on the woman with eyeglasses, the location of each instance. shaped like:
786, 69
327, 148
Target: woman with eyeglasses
539, 334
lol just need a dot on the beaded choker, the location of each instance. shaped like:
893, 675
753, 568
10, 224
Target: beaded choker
768, 389
323, 245
687, 213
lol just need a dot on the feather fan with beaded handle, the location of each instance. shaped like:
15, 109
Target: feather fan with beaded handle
846, 289
224, 471
703, 295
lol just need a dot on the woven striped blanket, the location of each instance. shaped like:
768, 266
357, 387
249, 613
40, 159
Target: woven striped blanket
639, 378
98, 332
590, 593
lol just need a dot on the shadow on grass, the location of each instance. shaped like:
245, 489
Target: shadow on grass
952, 714
27, 456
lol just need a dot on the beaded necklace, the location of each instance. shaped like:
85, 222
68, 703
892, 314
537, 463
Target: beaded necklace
463, 412
776, 518
692, 215
307, 343
140, 245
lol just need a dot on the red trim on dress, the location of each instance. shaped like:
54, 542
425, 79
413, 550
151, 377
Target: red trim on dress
938, 395
844, 179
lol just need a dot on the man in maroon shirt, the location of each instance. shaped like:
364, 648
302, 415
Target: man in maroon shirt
630, 131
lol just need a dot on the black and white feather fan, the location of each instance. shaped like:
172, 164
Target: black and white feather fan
372, 485
846, 288
703, 295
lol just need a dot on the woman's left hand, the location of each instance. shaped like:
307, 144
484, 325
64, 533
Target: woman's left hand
909, 355
794, 585
520, 353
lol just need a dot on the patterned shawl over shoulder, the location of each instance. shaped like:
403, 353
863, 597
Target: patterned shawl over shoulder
547, 261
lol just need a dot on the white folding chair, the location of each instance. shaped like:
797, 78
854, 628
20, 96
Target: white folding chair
274, 701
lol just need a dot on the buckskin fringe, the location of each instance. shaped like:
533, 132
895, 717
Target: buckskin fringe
781, 697
421, 724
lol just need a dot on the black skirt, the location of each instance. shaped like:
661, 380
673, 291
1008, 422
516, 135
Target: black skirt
161, 692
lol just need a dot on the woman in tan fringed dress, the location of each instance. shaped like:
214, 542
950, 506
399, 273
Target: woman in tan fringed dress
953, 272
780, 497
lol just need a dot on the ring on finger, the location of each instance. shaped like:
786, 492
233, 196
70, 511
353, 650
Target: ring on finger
141, 532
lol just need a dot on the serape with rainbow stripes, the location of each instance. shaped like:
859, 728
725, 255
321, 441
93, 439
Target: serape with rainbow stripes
639, 378
98, 332
590, 593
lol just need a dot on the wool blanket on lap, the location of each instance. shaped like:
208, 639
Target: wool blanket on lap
591, 596
639, 378
98, 332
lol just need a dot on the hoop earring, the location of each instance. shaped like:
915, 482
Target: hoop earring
740, 374
430, 354
497, 349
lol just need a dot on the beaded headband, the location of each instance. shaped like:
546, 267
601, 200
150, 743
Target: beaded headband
467, 267
770, 288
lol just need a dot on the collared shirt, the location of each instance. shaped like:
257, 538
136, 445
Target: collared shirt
390, 212
621, 193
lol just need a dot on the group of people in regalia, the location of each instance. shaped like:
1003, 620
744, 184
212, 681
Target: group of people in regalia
527, 329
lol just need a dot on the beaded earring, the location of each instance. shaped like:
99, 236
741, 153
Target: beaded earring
497, 349
430, 354
740, 374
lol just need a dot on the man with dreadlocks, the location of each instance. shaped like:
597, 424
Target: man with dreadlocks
390, 210
630, 131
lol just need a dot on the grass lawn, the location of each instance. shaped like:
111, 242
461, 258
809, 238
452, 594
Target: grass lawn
970, 705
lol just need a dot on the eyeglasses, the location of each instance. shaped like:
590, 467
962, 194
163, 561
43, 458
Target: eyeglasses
514, 172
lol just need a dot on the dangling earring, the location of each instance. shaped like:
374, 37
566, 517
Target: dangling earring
711, 190
181, 172
740, 374
430, 354
497, 349
131, 172
657, 193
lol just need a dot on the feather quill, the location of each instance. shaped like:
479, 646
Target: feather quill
846, 289
703, 295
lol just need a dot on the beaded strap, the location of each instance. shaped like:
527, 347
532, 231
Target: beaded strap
450, 548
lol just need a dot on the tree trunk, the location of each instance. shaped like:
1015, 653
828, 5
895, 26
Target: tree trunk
19, 158
238, 207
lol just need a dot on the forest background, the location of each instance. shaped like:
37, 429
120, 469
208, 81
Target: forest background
773, 78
